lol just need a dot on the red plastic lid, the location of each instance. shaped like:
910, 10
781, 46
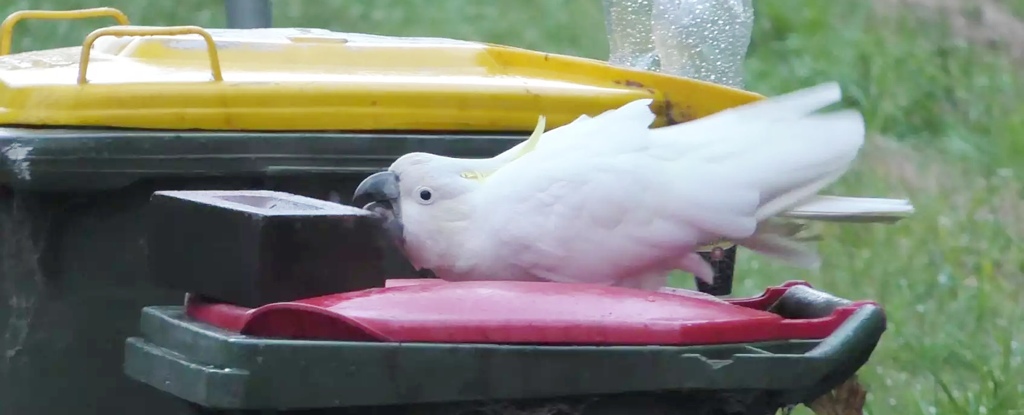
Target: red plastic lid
513, 312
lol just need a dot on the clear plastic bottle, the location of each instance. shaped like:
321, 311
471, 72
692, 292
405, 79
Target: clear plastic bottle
700, 39
630, 39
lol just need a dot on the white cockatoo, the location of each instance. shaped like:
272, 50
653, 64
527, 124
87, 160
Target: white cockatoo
609, 200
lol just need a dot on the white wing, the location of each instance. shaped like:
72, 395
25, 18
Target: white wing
600, 219
586, 135
778, 144
610, 188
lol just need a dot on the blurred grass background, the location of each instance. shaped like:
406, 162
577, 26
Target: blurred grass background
942, 87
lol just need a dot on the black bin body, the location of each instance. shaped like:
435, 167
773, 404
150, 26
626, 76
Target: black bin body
73, 270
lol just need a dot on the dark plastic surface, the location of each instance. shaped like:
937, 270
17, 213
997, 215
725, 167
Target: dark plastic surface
73, 273
256, 247
80, 159
692, 402
723, 262
517, 312
216, 368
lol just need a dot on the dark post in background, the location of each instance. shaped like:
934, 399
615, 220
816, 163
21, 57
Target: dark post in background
248, 14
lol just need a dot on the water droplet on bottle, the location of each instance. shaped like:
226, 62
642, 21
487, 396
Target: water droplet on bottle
702, 39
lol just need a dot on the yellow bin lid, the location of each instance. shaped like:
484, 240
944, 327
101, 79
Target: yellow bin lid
295, 79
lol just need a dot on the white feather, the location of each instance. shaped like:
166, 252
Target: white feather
640, 200
606, 199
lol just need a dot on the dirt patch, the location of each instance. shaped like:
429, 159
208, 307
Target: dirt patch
928, 174
905, 167
983, 22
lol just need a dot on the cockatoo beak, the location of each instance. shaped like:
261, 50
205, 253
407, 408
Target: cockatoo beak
379, 194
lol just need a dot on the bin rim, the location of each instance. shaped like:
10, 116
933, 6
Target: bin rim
521, 312
217, 368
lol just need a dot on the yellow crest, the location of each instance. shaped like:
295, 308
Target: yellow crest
530, 145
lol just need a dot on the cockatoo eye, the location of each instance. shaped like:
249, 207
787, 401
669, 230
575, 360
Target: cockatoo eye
425, 195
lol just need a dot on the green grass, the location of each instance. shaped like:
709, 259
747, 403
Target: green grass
948, 119
1015, 6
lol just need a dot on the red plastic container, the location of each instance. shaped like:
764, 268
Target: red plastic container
513, 312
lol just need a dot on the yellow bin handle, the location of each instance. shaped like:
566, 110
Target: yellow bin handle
7, 27
211, 47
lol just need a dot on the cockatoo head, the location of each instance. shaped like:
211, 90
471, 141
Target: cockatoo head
417, 192
426, 199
